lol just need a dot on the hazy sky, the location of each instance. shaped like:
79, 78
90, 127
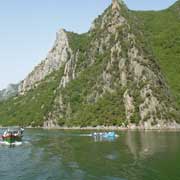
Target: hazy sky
28, 29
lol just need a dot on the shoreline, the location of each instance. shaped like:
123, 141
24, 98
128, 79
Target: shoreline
174, 127
171, 126
109, 128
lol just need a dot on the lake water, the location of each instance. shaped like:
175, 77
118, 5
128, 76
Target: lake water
71, 155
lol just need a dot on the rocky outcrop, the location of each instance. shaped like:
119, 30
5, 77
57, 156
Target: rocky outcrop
69, 70
56, 58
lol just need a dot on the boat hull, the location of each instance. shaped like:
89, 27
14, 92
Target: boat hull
11, 139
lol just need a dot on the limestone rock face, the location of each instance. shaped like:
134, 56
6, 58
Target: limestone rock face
69, 71
55, 59
116, 4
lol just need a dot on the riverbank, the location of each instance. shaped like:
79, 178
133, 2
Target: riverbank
145, 126
172, 127
163, 127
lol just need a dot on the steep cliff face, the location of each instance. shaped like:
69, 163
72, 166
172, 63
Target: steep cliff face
107, 76
56, 58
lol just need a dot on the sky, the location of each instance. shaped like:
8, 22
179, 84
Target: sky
28, 29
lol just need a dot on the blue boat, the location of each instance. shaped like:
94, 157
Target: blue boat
104, 134
109, 134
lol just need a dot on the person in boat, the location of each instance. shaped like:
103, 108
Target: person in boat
21, 130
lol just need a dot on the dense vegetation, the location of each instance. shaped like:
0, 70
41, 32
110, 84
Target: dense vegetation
33, 107
108, 110
162, 30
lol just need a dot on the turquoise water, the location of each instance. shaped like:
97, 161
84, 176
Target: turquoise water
70, 155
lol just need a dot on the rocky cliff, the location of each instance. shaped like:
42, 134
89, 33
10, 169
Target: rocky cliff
107, 77
56, 58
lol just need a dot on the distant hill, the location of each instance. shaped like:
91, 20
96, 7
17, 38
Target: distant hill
10, 91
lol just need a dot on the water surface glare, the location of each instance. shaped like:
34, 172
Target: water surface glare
71, 155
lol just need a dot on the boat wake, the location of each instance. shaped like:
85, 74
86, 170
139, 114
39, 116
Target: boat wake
86, 135
4, 143
102, 136
11, 144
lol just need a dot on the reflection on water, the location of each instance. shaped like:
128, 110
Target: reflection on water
71, 155
101, 138
147, 143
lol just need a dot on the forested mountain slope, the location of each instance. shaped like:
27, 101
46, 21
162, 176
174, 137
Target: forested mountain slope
114, 75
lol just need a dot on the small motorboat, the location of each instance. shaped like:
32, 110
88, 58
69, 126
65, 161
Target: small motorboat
105, 134
12, 135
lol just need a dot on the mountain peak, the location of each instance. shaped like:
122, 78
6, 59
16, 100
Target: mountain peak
61, 32
56, 58
61, 37
116, 4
